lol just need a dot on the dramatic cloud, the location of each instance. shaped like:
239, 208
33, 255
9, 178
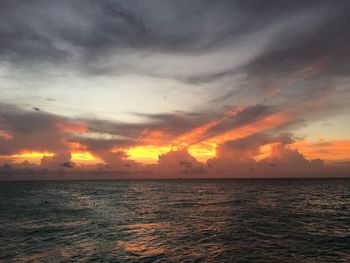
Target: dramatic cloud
161, 86
29, 130
179, 162
238, 159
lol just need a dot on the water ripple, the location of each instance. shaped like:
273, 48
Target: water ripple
176, 221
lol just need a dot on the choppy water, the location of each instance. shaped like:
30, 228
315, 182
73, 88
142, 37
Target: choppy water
176, 221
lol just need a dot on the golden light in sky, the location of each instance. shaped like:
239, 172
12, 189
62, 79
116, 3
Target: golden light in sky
147, 154
85, 158
25, 155
116, 92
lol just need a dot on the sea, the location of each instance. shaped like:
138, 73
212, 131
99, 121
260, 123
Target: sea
279, 220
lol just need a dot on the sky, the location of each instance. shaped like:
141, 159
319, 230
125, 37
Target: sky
164, 88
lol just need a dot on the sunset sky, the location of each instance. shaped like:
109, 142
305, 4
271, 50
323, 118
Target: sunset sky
175, 88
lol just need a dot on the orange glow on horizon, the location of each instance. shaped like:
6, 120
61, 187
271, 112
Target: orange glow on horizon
85, 157
202, 152
35, 157
326, 150
30, 156
196, 142
148, 153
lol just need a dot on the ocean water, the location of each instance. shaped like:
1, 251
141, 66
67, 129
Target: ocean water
175, 221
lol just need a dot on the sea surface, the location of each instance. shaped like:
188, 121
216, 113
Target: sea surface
175, 221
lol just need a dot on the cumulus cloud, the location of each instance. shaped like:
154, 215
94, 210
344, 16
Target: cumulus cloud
179, 162
59, 160
237, 158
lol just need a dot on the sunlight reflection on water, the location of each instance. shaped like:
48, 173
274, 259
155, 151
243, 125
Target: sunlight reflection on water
177, 220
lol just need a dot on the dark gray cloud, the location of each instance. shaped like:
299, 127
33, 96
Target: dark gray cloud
132, 37
266, 56
54, 30
174, 124
294, 49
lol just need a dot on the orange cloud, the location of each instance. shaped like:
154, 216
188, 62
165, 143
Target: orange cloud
192, 136
72, 127
326, 150
265, 151
80, 157
84, 158
251, 128
31, 156
76, 146
202, 150
147, 153
155, 137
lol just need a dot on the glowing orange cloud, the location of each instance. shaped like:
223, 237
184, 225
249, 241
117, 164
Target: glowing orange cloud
155, 137
147, 153
191, 137
31, 156
204, 150
76, 146
251, 128
265, 151
85, 158
326, 150
79, 157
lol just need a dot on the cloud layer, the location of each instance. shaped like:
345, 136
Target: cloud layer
215, 88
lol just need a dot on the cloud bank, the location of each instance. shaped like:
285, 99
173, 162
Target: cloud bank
174, 88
